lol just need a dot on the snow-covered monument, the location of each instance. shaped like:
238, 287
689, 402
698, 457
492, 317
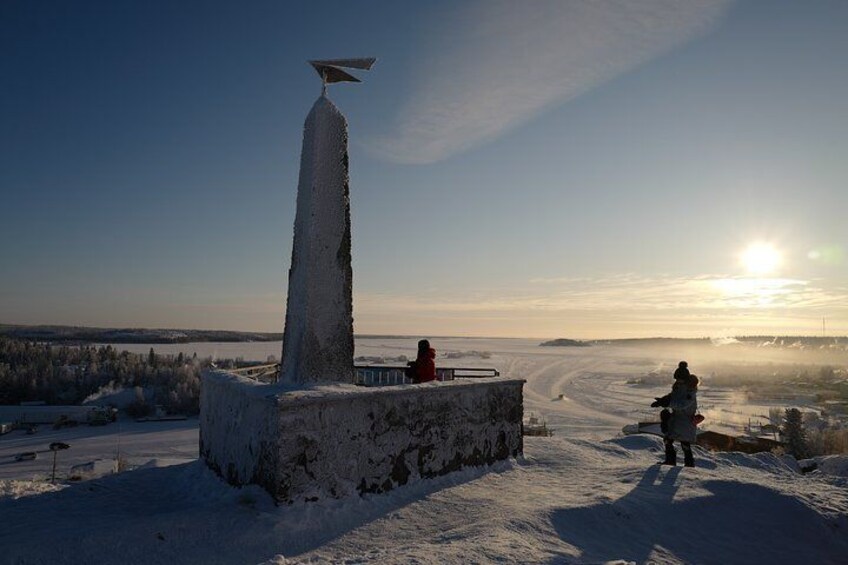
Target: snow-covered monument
313, 433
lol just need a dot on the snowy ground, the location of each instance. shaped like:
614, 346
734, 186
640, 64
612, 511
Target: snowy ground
137, 443
586, 495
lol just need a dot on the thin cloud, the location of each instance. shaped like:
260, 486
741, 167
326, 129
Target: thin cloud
501, 62
625, 294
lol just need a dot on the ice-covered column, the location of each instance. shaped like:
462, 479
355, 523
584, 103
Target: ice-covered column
318, 336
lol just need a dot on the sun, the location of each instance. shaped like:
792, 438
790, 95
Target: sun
760, 259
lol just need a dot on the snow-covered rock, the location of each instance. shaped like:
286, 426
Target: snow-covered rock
832, 465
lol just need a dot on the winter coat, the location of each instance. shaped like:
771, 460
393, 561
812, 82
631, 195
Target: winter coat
684, 404
425, 366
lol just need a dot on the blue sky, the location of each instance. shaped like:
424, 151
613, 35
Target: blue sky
517, 169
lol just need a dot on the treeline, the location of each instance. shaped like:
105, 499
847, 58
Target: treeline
806, 435
33, 371
794, 340
81, 335
735, 374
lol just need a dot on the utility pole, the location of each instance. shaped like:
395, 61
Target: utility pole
55, 447
118, 448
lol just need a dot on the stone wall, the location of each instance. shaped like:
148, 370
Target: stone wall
330, 441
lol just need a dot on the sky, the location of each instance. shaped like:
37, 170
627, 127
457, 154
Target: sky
549, 169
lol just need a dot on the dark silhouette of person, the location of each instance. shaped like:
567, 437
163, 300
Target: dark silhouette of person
679, 424
682, 370
680, 376
425, 363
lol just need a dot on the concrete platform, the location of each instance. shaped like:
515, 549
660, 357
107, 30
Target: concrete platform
333, 440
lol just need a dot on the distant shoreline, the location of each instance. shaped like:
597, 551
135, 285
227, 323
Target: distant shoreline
86, 335
78, 335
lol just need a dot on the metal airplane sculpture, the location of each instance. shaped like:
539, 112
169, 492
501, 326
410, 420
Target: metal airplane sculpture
330, 70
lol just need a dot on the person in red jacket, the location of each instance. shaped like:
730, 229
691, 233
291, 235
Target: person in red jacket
425, 363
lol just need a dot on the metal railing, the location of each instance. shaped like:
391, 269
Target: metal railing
380, 375
372, 375
264, 373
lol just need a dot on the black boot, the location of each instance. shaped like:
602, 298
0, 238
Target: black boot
670, 453
688, 459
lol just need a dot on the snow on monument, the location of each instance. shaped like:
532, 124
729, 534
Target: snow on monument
318, 337
313, 433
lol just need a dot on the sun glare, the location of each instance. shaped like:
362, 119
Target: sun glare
760, 259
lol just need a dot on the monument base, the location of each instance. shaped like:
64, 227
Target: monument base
333, 440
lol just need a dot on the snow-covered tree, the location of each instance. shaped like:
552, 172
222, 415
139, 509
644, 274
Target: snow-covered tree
794, 434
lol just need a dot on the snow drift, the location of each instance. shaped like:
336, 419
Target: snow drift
568, 500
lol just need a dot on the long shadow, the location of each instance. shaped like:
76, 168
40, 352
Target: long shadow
734, 523
173, 515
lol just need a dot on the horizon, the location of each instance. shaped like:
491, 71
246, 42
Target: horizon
429, 336
598, 171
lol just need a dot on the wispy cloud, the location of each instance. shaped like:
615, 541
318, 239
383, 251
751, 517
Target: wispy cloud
499, 63
627, 293
613, 306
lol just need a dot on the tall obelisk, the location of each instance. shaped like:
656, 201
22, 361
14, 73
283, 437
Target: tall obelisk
318, 336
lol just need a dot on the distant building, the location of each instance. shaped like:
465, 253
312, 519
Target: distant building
715, 441
712, 441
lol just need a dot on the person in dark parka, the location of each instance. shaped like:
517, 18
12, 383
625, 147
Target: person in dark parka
425, 363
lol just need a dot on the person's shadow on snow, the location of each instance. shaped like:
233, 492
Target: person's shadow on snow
601, 531
722, 522
177, 513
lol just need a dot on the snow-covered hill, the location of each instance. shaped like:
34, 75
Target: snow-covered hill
585, 495
569, 500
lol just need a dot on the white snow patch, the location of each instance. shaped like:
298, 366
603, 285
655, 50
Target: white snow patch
94, 469
17, 489
833, 465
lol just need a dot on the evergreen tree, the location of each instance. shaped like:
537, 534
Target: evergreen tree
68, 375
794, 434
